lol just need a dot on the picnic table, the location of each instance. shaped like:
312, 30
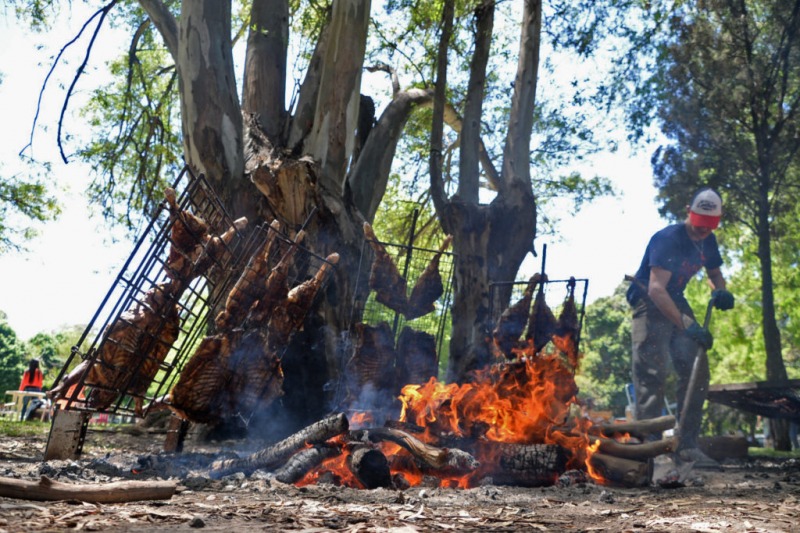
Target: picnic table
14, 408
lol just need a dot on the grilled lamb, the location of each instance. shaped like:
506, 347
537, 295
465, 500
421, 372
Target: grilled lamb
276, 287
428, 287
256, 376
513, 320
416, 357
188, 235
288, 316
373, 359
384, 278
250, 286
542, 322
568, 325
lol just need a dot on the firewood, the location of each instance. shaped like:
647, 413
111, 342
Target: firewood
640, 452
370, 467
639, 428
619, 471
430, 455
303, 461
269, 458
526, 465
122, 491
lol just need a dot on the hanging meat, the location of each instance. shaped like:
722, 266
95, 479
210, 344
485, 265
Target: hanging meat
372, 365
250, 286
196, 396
131, 352
256, 376
542, 321
188, 235
428, 287
287, 316
568, 326
217, 250
384, 277
416, 357
512, 322
275, 288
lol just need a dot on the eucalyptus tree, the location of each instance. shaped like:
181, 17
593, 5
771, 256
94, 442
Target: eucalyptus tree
305, 137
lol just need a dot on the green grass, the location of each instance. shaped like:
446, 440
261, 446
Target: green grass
13, 428
769, 453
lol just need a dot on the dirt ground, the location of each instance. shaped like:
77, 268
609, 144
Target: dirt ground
754, 495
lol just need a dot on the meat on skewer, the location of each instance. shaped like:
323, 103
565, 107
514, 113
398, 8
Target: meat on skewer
287, 317
188, 235
196, 394
373, 359
568, 325
512, 322
256, 376
416, 357
217, 248
428, 287
250, 285
384, 278
542, 322
276, 287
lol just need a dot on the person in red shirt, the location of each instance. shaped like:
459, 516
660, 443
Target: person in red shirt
32, 380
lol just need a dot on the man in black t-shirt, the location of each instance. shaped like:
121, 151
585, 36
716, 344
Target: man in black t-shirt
664, 324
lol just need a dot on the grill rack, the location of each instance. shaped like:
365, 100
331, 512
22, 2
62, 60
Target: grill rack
198, 303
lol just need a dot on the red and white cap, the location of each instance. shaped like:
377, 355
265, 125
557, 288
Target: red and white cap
705, 209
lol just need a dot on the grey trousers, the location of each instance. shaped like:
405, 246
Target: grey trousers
654, 339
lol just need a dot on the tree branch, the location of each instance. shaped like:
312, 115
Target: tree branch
165, 23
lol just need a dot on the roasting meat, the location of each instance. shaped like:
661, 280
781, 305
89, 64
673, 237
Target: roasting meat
276, 287
256, 377
416, 357
217, 249
196, 396
513, 320
131, 352
384, 278
568, 325
542, 322
287, 316
188, 235
428, 287
249, 288
373, 361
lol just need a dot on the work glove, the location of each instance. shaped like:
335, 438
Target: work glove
700, 335
723, 300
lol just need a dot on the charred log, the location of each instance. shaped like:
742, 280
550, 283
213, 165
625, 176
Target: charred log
638, 452
639, 428
425, 453
618, 471
277, 454
299, 464
370, 467
526, 465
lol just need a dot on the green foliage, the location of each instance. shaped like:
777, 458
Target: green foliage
605, 368
12, 356
22, 202
53, 350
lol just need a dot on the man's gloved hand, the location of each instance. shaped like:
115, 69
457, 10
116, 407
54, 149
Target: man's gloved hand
700, 335
723, 300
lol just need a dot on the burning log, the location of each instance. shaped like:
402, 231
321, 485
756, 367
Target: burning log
639, 452
123, 491
278, 453
416, 356
303, 461
370, 467
384, 277
526, 465
617, 470
513, 320
430, 455
428, 287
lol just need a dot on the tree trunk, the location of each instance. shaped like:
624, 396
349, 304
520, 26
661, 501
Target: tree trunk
210, 111
264, 84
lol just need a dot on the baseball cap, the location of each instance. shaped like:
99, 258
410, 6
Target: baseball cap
705, 209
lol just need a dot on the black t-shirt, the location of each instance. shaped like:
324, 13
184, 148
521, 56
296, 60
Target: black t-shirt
673, 250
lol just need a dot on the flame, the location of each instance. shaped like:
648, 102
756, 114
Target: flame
591, 450
360, 419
